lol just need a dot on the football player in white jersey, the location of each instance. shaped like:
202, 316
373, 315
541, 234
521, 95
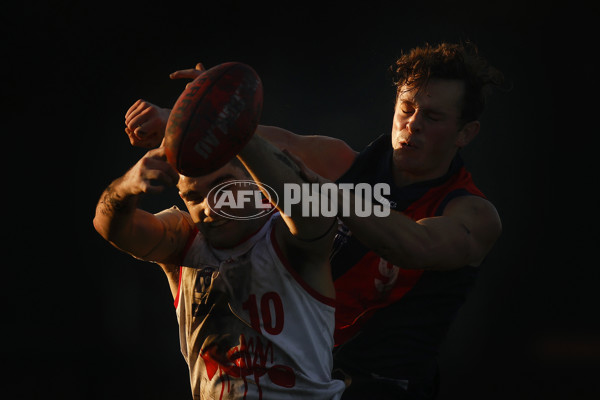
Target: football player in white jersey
253, 296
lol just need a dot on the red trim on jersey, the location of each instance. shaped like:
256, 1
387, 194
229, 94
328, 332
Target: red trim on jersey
373, 283
428, 204
189, 242
176, 302
322, 298
186, 248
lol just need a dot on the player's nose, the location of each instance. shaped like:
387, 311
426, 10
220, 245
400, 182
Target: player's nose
207, 214
413, 125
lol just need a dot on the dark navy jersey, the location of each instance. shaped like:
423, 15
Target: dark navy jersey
390, 320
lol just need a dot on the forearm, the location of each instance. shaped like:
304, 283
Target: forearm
114, 212
268, 165
279, 137
395, 237
327, 156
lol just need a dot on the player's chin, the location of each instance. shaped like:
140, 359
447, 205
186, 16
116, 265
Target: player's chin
406, 155
223, 235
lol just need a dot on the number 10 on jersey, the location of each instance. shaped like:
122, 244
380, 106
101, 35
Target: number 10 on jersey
270, 309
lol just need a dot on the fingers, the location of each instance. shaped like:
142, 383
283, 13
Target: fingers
156, 181
188, 73
153, 173
140, 112
185, 74
133, 109
143, 139
146, 123
134, 140
161, 156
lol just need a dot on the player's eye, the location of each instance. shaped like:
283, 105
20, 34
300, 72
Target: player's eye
434, 117
406, 107
192, 198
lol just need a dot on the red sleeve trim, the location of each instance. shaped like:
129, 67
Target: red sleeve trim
322, 298
176, 303
188, 244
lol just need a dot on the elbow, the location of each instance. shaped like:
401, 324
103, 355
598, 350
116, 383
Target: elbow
102, 227
99, 227
403, 256
413, 255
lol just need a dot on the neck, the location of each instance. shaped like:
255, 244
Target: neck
245, 242
403, 176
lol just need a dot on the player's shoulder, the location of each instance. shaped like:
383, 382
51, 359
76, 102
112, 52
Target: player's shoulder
179, 232
470, 202
175, 218
476, 209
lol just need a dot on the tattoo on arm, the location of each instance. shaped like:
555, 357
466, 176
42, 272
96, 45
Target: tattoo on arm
112, 203
282, 157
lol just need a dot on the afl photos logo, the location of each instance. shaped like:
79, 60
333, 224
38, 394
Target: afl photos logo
228, 196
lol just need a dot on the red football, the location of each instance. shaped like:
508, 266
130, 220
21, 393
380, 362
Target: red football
213, 119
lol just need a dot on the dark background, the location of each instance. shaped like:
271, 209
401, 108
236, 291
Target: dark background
81, 320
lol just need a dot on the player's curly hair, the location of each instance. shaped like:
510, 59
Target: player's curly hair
449, 61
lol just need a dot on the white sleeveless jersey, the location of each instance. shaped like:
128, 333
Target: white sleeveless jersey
250, 328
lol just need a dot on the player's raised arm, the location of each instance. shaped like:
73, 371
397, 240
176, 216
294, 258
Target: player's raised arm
327, 156
267, 164
129, 228
215, 119
305, 240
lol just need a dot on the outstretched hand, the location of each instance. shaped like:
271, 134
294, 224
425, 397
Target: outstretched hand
146, 122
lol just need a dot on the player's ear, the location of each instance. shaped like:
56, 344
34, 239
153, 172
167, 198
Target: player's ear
467, 133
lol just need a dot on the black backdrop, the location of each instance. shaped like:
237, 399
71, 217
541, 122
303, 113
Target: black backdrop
82, 321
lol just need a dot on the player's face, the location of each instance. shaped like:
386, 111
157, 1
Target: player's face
219, 231
426, 129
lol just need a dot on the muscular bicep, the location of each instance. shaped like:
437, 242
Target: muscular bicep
463, 235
